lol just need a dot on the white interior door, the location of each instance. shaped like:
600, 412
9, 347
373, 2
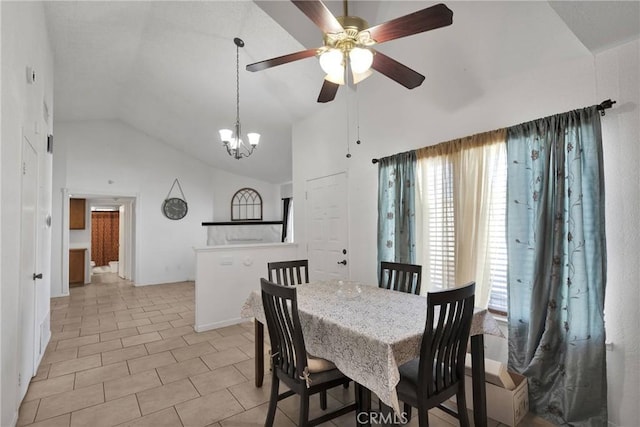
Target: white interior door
28, 250
327, 227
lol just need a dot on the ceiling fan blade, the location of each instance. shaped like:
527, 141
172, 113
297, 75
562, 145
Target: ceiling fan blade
396, 71
417, 22
268, 63
319, 14
328, 91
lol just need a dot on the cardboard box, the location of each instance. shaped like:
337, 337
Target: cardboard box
506, 406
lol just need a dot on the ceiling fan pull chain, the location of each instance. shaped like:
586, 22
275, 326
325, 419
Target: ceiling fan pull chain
346, 97
357, 116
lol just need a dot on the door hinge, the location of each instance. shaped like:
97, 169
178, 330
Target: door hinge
305, 195
24, 168
19, 380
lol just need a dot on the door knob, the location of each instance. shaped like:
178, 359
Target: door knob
343, 262
37, 276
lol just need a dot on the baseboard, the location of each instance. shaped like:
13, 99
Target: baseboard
44, 340
14, 422
216, 325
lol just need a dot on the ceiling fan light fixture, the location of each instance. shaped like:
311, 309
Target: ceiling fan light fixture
358, 77
336, 78
360, 59
331, 61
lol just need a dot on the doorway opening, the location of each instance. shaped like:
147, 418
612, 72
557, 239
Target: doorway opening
106, 241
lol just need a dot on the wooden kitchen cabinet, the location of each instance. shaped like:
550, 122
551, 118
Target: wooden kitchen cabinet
76, 267
77, 214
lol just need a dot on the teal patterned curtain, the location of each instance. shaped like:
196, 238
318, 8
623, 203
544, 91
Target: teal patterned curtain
557, 265
397, 208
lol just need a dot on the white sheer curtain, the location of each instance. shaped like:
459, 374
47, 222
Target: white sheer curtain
455, 193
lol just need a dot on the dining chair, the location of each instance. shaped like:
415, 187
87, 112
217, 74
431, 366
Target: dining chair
290, 362
289, 273
438, 374
400, 277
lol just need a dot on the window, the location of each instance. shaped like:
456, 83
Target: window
476, 176
441, 235
246, 205
498, 240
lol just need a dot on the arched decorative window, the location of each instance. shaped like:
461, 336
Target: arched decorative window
246, 205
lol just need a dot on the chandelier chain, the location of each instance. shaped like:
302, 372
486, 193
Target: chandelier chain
237, 86
235, 146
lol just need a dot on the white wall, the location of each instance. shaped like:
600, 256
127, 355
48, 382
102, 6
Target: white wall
393, 120
618, 78
226, 184
225, 277
112, 158
1, 216
24, 42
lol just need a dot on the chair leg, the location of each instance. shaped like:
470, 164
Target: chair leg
423, 417
303, 419
323, 400
463, 416
407, 411
273, 401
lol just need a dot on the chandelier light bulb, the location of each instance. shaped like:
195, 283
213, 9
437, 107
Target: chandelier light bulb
225, 135
360, 59
254, 138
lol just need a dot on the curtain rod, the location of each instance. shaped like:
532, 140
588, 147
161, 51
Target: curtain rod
604, 105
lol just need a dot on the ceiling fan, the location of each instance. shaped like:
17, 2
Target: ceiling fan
351, 37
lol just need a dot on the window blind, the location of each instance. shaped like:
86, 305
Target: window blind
497, 239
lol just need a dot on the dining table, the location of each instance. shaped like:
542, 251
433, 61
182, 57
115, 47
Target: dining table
368, 332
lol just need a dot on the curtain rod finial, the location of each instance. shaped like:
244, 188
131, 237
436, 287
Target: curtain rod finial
374, 161
605, 105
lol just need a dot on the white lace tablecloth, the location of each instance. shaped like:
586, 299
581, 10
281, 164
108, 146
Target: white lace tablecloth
367, 337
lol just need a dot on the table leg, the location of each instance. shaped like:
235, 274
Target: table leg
478, 378
363, 399
259, 350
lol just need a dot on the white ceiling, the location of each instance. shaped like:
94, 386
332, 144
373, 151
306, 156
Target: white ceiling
168, 68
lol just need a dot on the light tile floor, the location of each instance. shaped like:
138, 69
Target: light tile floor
128, 356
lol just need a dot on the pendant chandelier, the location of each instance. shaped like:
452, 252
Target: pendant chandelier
231, 139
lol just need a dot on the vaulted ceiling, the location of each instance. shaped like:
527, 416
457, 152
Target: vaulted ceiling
168, 68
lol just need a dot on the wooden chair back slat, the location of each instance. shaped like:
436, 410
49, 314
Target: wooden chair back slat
443, 349
287, 342
289, 273
400, 277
